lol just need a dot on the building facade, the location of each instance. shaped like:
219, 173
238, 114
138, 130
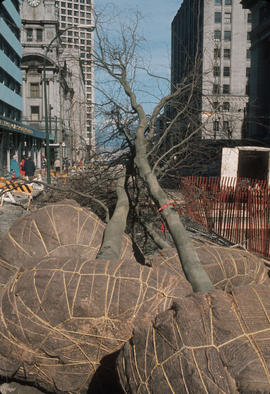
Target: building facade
79, 14
53, 85
212, 38
259, 103
15, 136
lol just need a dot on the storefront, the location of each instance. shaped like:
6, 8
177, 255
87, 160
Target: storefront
22, 140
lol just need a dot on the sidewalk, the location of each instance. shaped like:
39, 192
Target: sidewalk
8, 214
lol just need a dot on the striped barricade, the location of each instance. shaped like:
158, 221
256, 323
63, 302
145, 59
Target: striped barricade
9, 189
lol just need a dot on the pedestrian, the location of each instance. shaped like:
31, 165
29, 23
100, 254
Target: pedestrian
14, 167
43, 164
57, 165
22, 170
29, 167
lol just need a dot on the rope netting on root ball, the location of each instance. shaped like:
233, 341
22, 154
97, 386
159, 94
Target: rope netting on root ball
56, 230
215, 343
60, 318
64, 314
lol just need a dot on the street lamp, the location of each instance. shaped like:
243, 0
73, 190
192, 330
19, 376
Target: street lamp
58, 35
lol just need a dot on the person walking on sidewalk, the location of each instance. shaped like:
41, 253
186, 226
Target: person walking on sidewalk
29, 167
14, 167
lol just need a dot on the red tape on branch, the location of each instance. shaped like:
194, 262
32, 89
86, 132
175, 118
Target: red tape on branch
173, 205
167, 205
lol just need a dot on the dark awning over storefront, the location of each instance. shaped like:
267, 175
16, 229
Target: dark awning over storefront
17, 127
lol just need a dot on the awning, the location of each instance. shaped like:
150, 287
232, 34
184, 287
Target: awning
17, 127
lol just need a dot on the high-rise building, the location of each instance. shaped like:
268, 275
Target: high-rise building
15, 137
259, 102
77, 17
49, 67
212, 38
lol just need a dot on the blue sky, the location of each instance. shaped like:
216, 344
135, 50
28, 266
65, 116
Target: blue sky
155, 26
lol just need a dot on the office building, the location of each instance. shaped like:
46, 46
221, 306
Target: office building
212, 39
259, 102
50, 68
73, 13
15, 137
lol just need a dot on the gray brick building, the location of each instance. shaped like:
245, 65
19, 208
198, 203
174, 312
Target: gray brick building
213, 36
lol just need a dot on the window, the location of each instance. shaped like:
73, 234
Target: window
226, 89
217, 35
69, 12
216, 105
34, 89
216, 71
29, 35
228, 17
35, 113
216, 53
226, 106
227, 53
216, 89
228, 2
217, 17
69, 5
226, 71
247, 72
39, 34
227, 35
249, 35
248, 53
225, 125
249, 18
216, 125
218, 2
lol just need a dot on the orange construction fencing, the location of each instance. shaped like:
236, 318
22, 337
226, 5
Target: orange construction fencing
237, 209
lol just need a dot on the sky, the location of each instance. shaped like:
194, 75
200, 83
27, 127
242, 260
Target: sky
155, 26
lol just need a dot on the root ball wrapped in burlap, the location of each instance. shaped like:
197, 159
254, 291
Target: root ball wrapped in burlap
60, 318
56, 230
213, 343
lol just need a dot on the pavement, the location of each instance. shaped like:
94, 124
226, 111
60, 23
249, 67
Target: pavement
8, 214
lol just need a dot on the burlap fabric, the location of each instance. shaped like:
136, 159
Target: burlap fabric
213, 343
60, 318
226, 267
60, 229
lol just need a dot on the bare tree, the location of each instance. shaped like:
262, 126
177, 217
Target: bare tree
117, 57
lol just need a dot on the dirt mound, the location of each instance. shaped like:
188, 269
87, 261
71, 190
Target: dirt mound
213, 343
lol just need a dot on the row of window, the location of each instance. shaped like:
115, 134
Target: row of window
9, 112
226, 2
65, 4
226, 53
34, 34
225, 106
9, 82
4, 15
227, 17
225, 127
76, 13
227, 71
227, 35
82, 22
225, 89
71, 11
9, 51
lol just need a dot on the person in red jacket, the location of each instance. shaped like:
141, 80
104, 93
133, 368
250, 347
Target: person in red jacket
22, 170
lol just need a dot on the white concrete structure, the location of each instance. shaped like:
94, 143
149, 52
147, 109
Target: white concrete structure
246, 162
